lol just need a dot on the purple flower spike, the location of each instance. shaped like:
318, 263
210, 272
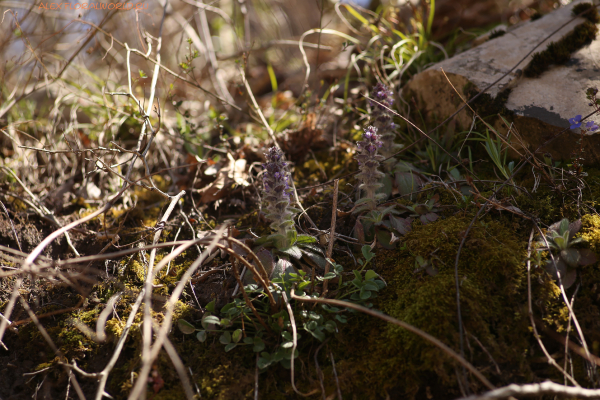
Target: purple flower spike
381, 118
277, 194
368, 161
591, 126
575, 122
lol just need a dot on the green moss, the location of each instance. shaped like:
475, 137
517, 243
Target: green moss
486, 105
590, 231
386, 359
536, 15
496, 33
591, 15
560, 52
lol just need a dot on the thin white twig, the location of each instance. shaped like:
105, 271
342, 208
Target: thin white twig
140, 385
538, 389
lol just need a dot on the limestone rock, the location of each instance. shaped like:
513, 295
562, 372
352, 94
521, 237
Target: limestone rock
539, 107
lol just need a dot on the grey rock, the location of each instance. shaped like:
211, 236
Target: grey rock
541, 106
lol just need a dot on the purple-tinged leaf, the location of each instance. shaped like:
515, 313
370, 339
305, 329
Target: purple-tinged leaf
587, 257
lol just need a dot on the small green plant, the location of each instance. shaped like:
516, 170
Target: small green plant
284, 242
236, 324
426, 212
560, 238
369, 176
497, 149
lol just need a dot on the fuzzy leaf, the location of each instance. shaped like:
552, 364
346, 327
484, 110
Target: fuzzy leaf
431, 216
315, 258
386, 189
563, 226
570, 256
569, 278
359, 231
587, 257
293, 251
282, 267
305, 239
363, 201
263, 240
266, 258
401, 225
561, 266
311, 247
574, 227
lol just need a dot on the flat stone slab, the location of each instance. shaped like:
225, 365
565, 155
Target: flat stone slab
541, 106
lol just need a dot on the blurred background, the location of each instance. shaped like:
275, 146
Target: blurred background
64, 73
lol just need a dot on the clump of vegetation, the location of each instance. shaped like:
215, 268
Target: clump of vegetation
587, 11
557, 53
563, 266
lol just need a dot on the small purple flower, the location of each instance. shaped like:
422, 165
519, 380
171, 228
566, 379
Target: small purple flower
381, 118
277, 193
575, 122
591, 126
368, 162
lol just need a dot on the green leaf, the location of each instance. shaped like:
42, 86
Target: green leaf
304, 284
370, 274
570, 256
362, 201
210, 320
302, 239
341, 318
311, 247
263, 362
367, 253
315, 258
201, 336
564, 226
237, 335
329, 275
259, 345
292, 236
230, 346
185, 327
330, 326
560, 242
293, 251
364, 294
211, 306
263, 240
225, 338
225, 308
